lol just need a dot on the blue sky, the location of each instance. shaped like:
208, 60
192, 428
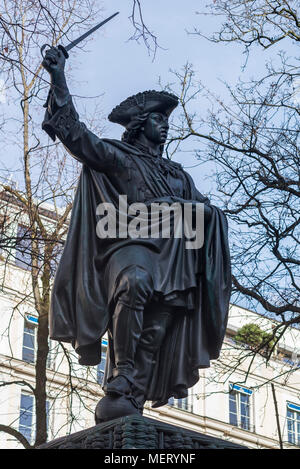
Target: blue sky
113, 68
116, 68
119, 68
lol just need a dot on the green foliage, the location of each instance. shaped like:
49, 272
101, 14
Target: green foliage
252, 335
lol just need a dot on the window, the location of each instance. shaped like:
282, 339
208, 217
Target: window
23, 248
239, 406
28, 351
29, 341
292, 359
293, 423
26, 416
101, 366
182, 404
52, 354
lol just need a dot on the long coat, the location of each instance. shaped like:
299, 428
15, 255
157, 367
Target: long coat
80, 307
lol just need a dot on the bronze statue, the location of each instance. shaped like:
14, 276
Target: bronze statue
164, 306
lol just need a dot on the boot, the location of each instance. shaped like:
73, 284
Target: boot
118, 386
144, 364
126, 330
155, 326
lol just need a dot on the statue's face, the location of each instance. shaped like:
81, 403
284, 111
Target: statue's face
156, 128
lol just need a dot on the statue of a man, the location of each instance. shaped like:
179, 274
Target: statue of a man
164, 306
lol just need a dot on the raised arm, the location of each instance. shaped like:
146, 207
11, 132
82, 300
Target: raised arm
62, 121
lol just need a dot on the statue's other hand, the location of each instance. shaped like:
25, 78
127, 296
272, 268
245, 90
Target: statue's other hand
54, 61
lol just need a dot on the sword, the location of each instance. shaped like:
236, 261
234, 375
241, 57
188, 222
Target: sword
79, 39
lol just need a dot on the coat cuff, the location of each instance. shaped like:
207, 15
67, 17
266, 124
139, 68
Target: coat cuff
59, 117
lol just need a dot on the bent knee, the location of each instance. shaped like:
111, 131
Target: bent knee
134, 287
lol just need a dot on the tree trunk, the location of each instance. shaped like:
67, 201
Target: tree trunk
41, 378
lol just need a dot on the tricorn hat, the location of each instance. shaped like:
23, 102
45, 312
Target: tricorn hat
147, 101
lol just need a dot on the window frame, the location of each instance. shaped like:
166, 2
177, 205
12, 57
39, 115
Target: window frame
293, 423
30, 412
28, 325
240, 400
184, 403
101, 366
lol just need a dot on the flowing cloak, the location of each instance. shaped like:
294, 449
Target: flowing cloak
80, 304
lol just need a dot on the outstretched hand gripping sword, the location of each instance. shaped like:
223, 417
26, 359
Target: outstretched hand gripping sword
79, 39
